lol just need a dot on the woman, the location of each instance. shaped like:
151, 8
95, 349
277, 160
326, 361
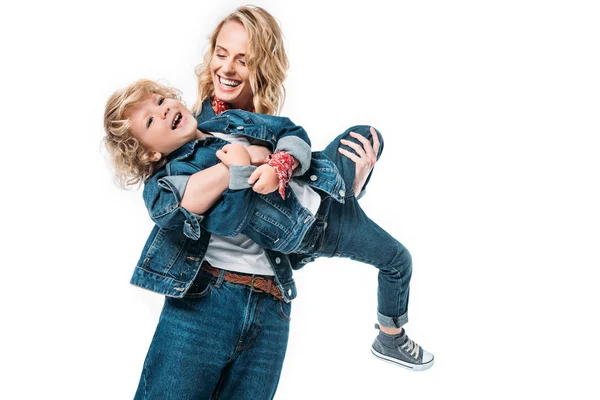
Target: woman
244, 68
224, 327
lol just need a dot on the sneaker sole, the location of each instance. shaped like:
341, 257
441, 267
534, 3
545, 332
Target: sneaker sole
395, 361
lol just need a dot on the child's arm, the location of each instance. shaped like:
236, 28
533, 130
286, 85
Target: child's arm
294, 140
291, 158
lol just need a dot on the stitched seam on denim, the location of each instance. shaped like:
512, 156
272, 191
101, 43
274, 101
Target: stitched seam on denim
272, 222
256, 330
173, 260
160, 275
203, 293
263, 232
160, 235
282, 313
267, 200
278, 282
364, 260
371, 262
244, 325
297, 228
167, 210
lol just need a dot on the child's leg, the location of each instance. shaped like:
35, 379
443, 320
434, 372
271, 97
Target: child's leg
350, 233
348, 165
344, 230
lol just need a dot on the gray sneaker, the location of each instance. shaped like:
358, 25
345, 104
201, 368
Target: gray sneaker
400, 350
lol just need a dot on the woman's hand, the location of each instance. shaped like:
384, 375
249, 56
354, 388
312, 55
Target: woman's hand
233, 154
366, 158
258, 154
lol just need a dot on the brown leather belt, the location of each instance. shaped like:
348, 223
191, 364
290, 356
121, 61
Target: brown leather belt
257, 283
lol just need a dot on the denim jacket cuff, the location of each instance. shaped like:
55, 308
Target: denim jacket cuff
176, 184
191, 225
298, 149
238, 176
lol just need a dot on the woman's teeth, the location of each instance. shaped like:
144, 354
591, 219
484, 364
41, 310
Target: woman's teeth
228, 82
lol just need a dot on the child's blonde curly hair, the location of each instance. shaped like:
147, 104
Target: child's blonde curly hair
131, 161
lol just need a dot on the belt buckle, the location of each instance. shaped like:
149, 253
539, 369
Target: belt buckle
255, 289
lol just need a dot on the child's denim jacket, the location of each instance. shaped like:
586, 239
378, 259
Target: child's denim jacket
176, 247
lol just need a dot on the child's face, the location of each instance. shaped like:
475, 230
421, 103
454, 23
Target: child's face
162, 125
230, 75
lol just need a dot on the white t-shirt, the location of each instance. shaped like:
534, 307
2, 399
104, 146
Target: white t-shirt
240, 253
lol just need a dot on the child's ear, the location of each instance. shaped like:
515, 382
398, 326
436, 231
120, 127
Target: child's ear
154, 156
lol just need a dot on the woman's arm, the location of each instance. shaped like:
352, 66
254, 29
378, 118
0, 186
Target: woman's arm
204, 188
258, 154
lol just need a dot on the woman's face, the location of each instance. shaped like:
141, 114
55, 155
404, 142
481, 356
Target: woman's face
230, 75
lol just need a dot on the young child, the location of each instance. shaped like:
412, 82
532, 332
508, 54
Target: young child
311, 215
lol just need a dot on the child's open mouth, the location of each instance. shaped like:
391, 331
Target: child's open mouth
177, 121
229, 82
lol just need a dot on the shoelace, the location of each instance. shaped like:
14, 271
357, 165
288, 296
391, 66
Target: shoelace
412, 348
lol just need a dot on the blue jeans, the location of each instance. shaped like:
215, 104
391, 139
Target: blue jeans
344, 230
222, 341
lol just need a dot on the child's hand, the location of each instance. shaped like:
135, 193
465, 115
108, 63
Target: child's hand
233, 154
265, 179
258, 154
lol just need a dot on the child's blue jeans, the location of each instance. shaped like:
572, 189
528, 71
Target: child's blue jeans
344, 230
223, 340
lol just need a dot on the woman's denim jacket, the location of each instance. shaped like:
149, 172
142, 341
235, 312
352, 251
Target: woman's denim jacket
177, 245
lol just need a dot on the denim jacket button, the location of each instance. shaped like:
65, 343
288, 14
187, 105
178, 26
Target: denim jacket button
240, 128
342, 193
278, 260
313, 178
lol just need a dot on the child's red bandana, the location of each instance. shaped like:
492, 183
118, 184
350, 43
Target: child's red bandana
283, 163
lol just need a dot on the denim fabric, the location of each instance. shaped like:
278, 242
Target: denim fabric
344, 230
221, 341
164, 189
177, 244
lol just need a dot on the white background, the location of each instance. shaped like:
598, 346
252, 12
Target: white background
490, 113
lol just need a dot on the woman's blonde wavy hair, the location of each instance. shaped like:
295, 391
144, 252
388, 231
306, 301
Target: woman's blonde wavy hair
130, 159
266, 60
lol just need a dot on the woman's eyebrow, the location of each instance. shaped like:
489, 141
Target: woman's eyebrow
224, 49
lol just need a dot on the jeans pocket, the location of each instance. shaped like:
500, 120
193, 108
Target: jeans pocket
201, 287
284, 310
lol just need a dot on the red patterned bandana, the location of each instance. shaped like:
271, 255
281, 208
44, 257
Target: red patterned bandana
283, 163
219, 105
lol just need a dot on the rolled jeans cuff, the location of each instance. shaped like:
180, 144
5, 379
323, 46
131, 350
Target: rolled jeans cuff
392, 322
